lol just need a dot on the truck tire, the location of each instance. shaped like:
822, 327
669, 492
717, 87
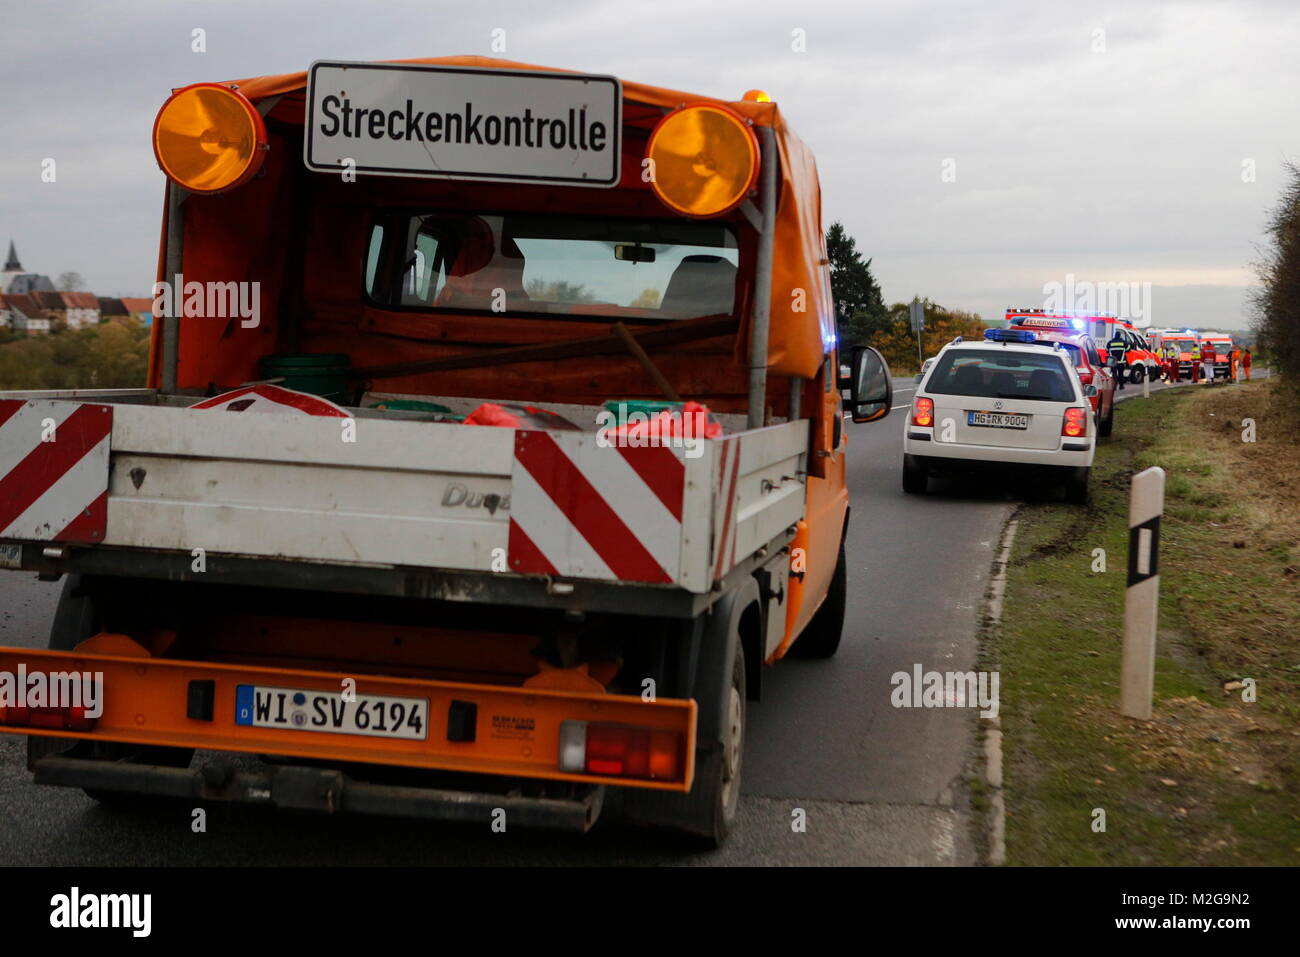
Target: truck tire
915, 479
76, 619
821, 638
1137, 372
706, 814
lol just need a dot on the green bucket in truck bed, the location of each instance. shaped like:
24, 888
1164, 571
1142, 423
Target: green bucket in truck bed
320, 373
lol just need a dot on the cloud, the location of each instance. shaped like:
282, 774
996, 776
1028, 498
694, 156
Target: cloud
1113, 163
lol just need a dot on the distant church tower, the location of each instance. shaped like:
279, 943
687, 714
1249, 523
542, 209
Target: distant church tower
13, 269
14, 281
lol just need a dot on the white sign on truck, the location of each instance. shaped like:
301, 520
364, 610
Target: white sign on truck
464, 123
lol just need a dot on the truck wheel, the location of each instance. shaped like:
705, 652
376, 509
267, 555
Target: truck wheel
1076, 487
1138, 372
76, 619
705, 815
915, 479
1105, 426
821, 638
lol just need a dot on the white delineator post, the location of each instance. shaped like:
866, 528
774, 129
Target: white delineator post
1142, 599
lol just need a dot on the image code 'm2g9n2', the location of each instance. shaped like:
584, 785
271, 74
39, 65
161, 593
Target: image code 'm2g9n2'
461, 122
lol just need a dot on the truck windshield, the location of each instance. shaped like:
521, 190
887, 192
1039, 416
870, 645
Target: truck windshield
547, 265
996, 374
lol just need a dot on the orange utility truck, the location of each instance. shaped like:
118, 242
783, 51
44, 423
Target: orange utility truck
493, 444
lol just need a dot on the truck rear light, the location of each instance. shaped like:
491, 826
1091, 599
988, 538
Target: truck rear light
923, 412
705, 159
53, 719
209, 138
621, 750
1075, 423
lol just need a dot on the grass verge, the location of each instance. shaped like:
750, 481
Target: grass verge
1212, 778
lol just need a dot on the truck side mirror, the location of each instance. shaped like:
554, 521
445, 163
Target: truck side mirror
871, 390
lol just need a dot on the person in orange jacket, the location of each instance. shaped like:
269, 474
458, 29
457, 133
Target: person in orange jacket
1245, 364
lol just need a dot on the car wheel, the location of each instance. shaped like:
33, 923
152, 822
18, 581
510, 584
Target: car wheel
1076, 486
1137, 373
1105, 426
915, 479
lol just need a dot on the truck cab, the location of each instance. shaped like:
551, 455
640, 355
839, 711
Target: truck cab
493, 439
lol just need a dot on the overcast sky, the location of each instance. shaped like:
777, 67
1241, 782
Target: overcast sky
1107, 141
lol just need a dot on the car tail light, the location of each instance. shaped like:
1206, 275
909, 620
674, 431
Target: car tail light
53, 719
621, 750
923, 412
1076, 422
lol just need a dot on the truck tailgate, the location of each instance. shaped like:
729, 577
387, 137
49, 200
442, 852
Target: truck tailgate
396, 492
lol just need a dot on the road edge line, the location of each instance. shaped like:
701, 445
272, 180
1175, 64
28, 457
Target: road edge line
997, 850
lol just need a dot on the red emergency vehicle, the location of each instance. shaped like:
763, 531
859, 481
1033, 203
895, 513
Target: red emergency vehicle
1223, 347
1089, 361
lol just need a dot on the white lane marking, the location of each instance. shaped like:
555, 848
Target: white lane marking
993, 728
945, 847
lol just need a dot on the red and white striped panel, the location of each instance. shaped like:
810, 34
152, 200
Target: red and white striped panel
724, 510
54, 470
584, 510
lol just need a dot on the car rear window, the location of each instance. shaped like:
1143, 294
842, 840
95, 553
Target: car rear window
998, 374
1074, 352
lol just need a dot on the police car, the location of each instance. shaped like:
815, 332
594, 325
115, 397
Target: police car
1007, 401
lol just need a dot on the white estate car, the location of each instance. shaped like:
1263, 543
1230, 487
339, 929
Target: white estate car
1004, 401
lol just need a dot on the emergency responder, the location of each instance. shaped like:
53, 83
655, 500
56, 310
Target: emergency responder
1245, 364
1234, 360
1207, 361
1171, 363
1196, 361
1117, 349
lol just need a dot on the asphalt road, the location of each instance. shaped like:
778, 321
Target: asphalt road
878, 785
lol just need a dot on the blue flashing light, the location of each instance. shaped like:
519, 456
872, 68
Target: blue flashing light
1009, 335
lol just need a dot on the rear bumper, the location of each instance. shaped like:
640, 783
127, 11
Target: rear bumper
320, 789
993, 456
471, 728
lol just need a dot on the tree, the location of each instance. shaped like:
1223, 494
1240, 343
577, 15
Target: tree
558, 290
860, 312
1277, 304
897, 341
113, 355
70, 281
